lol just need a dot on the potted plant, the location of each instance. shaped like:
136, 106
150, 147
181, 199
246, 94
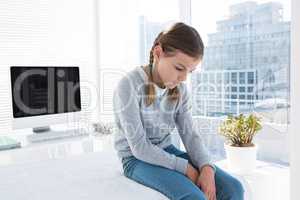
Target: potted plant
240, 149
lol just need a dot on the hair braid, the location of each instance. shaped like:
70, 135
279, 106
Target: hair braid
150, 89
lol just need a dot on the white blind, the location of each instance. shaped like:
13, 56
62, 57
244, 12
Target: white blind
5, 104
46, 32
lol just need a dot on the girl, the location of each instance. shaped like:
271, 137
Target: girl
149, 102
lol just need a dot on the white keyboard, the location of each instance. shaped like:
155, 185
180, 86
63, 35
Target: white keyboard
54, 135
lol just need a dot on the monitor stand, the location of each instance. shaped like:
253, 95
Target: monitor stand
45, 133
41, 129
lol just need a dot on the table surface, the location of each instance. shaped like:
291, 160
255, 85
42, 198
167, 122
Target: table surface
55, 149
267, 181
74, 168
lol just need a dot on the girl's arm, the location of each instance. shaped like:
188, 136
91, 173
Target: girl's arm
126, 109
191, 139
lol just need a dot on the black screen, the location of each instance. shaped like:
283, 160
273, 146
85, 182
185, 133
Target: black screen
44, 90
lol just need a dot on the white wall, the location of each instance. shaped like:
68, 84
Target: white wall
47, 32
295, 99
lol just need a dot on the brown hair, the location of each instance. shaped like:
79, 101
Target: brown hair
179, 37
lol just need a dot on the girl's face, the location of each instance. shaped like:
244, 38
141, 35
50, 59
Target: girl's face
173, 69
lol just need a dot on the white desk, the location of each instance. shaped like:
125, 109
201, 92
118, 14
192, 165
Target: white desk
88, 168
267, 182
55, 149
74, 168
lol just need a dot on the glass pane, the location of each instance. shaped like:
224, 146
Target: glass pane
128, 28
126, 34
247, 43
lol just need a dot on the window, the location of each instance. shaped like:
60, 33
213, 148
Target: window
227, 77
127, 29
249, 97
233, 89
250, 89
242, 97
250, 78
234, 78
242, 77
219, 77
212, 78
242, 89
244, 55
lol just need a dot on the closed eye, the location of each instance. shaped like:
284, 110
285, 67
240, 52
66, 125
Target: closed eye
182, 69
179, 69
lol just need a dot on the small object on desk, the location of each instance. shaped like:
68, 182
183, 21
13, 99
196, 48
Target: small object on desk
8, 143
103, 128
55, 135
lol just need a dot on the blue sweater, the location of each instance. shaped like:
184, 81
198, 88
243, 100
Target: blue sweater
143, 131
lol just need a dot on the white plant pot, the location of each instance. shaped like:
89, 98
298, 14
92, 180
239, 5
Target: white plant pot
241, 159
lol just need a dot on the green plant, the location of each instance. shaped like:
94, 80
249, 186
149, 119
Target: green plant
240, 130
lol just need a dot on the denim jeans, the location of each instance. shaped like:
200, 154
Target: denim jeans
177, 186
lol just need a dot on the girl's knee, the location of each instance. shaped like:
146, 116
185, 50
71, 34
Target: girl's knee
237, 190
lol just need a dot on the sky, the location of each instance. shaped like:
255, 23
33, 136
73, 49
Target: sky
122, 16
205, 15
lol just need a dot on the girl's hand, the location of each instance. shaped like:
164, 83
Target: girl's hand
206, 182
192, 173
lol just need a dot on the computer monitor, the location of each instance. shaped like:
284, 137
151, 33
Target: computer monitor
44, 96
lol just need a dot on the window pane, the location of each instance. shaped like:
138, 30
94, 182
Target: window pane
126, 34
250, 49
242, 89
233, 89
234, 78
250, 89
242, 77
248, 43
250, 78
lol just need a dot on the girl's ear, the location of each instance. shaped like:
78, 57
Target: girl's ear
157, 52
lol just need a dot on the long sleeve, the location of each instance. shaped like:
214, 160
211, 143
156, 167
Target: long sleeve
126, 108
191, 139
